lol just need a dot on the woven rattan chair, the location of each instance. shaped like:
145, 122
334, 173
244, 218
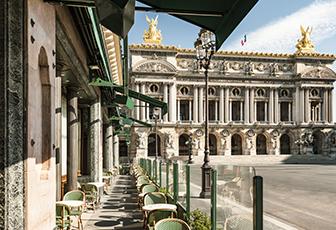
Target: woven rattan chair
147, 188
155, 198
238, 223
76, 195
91, 194
159, 214
169, 224
63, 219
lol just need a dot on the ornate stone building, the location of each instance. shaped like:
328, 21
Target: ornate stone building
259, 103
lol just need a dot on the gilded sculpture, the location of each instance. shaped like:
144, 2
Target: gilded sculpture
305, 44
152, 35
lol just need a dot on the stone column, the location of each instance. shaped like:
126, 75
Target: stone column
142, 104
58, 130
200, 106
276, 106
95, 136
147, 112
204, 105
195, 109
279, 107
331, 115
221, 104
190, 110
227, 111
178, 109
301, 105
172, 102
290, 111
116, 150
306, 106
320, 111
136, 104
265, 110
271, 118
230, 110
309, 111
255, 110
72, 138
13, 138
246, 112
325, 105
241, 111
109, 149
252, 117
216, 110
165, 99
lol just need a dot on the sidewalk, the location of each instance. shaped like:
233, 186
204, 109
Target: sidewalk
118, 209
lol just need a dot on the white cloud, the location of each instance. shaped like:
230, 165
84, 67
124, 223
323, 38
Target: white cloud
281, 36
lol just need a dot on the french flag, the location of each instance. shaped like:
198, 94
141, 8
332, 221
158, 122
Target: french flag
244, 40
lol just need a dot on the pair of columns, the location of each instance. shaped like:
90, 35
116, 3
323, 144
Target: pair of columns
96, 138
322, 112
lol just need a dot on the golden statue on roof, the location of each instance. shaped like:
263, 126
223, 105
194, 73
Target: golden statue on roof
305, 45
152, 35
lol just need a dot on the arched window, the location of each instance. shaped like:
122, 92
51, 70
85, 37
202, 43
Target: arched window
285, 144
212, 144
236, 145
183, 148
151, 145
45, 155
261, 144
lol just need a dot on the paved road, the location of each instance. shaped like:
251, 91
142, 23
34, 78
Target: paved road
301, 195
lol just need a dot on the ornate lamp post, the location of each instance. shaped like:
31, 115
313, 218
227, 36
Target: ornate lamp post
190, 144
203, 44
156, 114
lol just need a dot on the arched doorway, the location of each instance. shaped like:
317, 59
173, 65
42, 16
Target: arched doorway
151, 145
236, 145
317, 142
261, 144
183, 148
285, 144
213, 144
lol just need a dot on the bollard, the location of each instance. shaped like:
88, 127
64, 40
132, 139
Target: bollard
257, 203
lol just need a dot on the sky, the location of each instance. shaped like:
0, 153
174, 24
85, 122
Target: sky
271, 26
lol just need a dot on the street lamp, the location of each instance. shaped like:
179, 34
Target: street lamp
204, 43
156, 114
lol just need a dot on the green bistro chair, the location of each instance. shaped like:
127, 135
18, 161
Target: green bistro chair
168, 224
149, 188
76, 195
155, 198
91, 194
63, 219
142, 178
159, 214
146, 188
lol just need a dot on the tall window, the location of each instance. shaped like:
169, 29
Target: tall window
184, 110
236, 113
261, 111
284, 107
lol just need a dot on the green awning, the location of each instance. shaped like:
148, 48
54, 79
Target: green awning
218, 16
142, 97
138, 121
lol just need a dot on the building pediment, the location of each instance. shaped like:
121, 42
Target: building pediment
154, 66
319, 72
